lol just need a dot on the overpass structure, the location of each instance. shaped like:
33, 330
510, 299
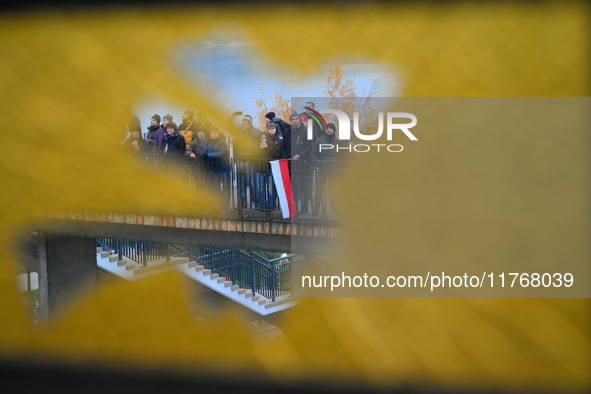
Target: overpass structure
62, 249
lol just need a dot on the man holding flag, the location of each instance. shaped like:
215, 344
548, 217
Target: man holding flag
296, 151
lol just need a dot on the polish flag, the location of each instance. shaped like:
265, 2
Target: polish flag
280, 171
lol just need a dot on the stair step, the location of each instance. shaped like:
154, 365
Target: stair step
248, 295
130, 267
241, 291
256, 298
99, 250
235, 287
228, 283
206, 272
121, 262
105, 254
113, 257
262, 302
192, 264
199, 268
174, 261
222, 279
215, 276
284, 301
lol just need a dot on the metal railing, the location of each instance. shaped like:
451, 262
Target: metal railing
246, 185
269, 278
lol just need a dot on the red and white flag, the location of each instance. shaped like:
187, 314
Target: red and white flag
280, 171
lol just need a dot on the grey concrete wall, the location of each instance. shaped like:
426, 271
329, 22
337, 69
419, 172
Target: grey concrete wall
67, 268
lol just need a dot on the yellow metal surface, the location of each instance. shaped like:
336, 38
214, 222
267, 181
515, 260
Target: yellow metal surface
69, 81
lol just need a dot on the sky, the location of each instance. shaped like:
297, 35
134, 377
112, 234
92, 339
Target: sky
231, 70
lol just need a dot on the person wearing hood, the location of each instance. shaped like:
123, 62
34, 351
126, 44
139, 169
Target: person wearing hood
276, 138
323, 161
283, 126
153, 129
173, 143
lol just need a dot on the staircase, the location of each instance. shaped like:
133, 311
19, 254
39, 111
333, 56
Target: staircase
131, 270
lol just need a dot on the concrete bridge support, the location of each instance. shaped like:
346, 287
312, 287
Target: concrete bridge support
67, 267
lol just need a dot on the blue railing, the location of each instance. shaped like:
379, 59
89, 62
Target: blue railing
269, 278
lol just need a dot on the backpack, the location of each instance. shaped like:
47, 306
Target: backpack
184, 134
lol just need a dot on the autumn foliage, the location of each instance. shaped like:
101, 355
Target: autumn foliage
342, 91
279, 101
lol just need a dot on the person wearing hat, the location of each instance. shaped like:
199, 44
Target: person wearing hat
160, 133
135, 143
173, 143
283, 125
269, 116
133, 121
153, 128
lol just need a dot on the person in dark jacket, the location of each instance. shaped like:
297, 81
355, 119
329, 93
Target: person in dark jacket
135, 143
244, 149
317, 125
133, 121
264, 188
322, 159
297, 147
200, 172
152, 129
276, 137
160, 133
216, 154
282, 125
173, 144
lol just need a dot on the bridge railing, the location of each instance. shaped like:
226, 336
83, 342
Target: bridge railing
269, 278
246, 185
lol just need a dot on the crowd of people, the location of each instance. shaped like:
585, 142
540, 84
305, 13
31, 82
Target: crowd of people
243, 154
